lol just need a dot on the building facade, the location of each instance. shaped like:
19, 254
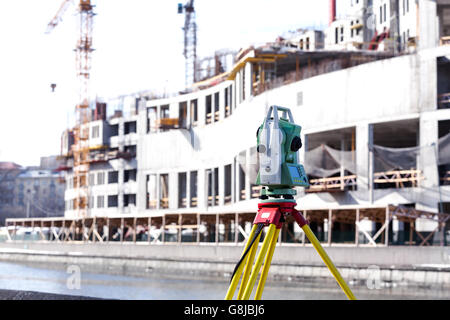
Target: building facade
375, 126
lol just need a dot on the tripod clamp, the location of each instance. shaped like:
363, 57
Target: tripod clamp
275, 212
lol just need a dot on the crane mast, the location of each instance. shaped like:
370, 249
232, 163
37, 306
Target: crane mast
190, 42
83, 112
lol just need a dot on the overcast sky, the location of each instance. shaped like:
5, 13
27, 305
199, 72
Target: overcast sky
138, 46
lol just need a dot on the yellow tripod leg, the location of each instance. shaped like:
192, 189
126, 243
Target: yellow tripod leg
328, 262
258, 263
237, 275
248, 267
267, 262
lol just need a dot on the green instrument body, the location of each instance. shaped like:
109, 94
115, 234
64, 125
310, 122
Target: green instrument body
292, 173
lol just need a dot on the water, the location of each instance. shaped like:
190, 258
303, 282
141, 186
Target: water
14, 276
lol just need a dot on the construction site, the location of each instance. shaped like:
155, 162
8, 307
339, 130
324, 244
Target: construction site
372, 94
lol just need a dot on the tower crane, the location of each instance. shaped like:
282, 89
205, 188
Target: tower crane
190, 41
83, 50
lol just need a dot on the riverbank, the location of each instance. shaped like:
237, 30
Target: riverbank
32, 295
382, 266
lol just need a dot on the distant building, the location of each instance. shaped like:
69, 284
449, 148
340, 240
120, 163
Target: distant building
39, 193
8, 174
31, 191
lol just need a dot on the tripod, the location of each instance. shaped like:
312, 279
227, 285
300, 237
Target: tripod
272, 214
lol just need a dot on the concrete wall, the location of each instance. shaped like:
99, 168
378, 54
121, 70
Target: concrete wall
411, 265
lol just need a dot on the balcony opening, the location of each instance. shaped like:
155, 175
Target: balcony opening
182, 190
444, 152
395, 154
213, 186
129, 200
113, 177
194, 112
151, 192
100, 177
193, 187
114, 130
443, 13
330, 160
443, 82
100, 201
112, 201
152, 120
164, 191
95, 132
241, 163
182, 115
129, 152
255, 190
130, 175
130, 127
216, 107
208, 108
227, 100
227, 182
165, 122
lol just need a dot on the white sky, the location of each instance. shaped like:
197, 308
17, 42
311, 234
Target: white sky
139, 45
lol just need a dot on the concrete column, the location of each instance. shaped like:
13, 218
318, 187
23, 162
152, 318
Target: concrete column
173, 190
236, 227
364, 142
122, 230
248, 81
342, 172
149, 223
174, 110
120, 184
386, 232
180, 223
302, 151
430, 194
428, 28
201, 110
188, 189
94, 229
357, 228
158, 113
440, 15
330, 226
233, 100
248, 187
233, 182
141, 178
222, 104
237, 91
221, 185
163, 227
121, 134
158, 191
202, 192
188, 114
237, 180
217, 229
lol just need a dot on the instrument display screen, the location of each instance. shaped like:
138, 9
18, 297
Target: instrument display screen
295, 173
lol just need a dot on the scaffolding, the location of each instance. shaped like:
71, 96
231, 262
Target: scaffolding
197, 227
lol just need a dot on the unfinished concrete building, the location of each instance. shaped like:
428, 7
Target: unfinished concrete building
375, 121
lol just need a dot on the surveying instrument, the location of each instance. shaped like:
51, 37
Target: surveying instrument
278, 140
